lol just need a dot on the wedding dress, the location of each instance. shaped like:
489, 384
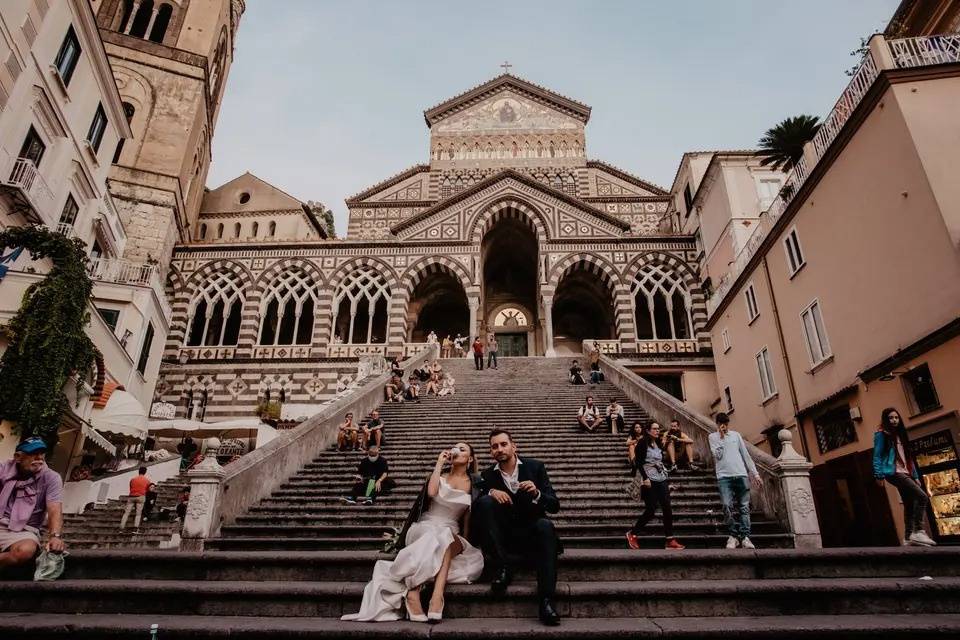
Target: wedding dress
419, 561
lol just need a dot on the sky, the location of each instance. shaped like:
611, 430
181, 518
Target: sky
326, 98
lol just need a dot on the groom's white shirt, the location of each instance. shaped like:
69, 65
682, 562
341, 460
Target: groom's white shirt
512, 480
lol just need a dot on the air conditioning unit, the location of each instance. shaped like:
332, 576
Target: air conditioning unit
855, 414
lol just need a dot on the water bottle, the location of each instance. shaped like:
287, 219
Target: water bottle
154, 631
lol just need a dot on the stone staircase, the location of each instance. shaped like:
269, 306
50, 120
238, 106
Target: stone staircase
99, 527
299, 559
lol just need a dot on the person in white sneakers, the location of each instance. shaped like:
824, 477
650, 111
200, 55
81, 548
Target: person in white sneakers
893, 462
735, 472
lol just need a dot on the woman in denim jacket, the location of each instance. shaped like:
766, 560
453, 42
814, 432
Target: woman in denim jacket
893, 463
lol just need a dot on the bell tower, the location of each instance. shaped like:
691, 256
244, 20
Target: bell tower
170, 59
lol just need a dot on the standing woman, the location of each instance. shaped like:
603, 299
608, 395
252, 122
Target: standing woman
656, 492
893, 463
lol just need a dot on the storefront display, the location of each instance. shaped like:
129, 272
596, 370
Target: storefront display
939, 467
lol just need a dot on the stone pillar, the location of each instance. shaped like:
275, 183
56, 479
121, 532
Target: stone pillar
205, 489
146, 34
472, 330
548, 326
793, 471
133, 16
880, 51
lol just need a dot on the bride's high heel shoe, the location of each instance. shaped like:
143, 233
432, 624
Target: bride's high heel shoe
413, 617
434, 617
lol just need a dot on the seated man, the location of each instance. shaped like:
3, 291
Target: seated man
576, 373
371, 478
30, 492
394, 388
674, 439
412, 390
615, 420
395, 368
348, 437
372, 432
588, 417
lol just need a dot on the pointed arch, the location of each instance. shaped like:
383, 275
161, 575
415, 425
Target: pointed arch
508, 207
214, 314
666, 298
361, 307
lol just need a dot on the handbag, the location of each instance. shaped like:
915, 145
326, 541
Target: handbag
634, 488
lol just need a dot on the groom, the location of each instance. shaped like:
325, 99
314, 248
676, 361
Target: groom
511, 515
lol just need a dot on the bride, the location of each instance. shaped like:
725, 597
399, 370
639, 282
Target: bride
435, 546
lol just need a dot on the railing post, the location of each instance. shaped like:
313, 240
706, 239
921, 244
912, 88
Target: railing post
793, 471
206, 482
882, 58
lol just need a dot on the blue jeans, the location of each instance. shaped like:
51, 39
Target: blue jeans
491, 358
735, 494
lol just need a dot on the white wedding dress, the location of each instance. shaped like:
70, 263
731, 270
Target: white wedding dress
419, 561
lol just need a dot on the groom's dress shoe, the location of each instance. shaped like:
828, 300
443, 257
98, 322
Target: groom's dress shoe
548, 614
500, 582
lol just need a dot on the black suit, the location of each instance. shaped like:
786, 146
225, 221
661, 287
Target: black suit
522, 526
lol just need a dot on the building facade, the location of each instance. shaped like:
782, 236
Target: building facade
508, 228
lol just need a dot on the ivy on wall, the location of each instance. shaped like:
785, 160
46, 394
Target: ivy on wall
46, 341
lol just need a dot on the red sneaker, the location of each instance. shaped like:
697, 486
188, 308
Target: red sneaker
632, 541
673, 544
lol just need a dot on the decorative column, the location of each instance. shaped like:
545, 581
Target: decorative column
200, 523
153, 18
793, 470
548, 325
133, 16
474, 303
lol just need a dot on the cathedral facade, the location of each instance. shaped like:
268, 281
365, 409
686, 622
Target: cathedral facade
508, 228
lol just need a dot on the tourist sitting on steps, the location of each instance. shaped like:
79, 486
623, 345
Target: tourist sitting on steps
894, 463
634, 436
136, 498
576, 373
412, 390
447, 386
30, 493
588, 416
614, 417
394, 388
675, 439
348, 435
395, 368
372, 431
371, 478
734, 467
656, 491
433, 385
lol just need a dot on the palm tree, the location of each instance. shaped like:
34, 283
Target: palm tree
782, 145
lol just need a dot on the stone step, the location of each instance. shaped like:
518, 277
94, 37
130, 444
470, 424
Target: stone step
575, 564
597, 599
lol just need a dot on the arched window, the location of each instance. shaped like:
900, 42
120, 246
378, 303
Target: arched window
203, 231
214, 317
254, 229
220, 231
272, 228
123, 15
661, 304
511, 317
236, 230
128, 110
142, 20
360, 308
161, 22
288, 309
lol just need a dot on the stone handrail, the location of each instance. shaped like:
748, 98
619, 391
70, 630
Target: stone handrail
219, 495
784, 494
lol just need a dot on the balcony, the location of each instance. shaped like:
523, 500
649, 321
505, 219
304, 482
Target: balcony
903, 53
118, 271
29, 192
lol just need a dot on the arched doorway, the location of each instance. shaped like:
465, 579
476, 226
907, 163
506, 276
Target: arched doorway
509, 254
582, 309
438, 303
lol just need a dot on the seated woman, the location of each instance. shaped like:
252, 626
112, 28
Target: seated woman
576, 373
436, 548
634, 436
433, 385
447, 386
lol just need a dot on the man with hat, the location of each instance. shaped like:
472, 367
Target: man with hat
30, 492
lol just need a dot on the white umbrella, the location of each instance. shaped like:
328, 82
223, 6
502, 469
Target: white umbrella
123, 415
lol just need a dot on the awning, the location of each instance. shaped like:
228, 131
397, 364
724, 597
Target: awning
91, 434
238, 428
122, 415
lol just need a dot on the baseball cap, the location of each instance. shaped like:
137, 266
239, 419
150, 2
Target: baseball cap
32, 445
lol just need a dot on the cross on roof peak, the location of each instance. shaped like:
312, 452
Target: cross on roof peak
506, 66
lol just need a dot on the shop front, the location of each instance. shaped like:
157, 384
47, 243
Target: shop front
935, 447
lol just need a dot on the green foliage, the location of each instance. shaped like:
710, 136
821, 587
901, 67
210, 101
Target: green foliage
782, 145
324, 216
268, 410
46, 338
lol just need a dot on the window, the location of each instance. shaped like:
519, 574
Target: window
96, 251
145, 350
203, 231
767, 190
97, 127
728, 399
128, 110
751, 297
70, 209
160, 23
110, 316
244, 198
272, 229
818, 347
921, 392
661, 304
237, 228
215, 312
768, 388
255, 229
834, 429
219, 231
794, 255
725, 338
360, 307
687, 199
33, 147
68, 56
288, 309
